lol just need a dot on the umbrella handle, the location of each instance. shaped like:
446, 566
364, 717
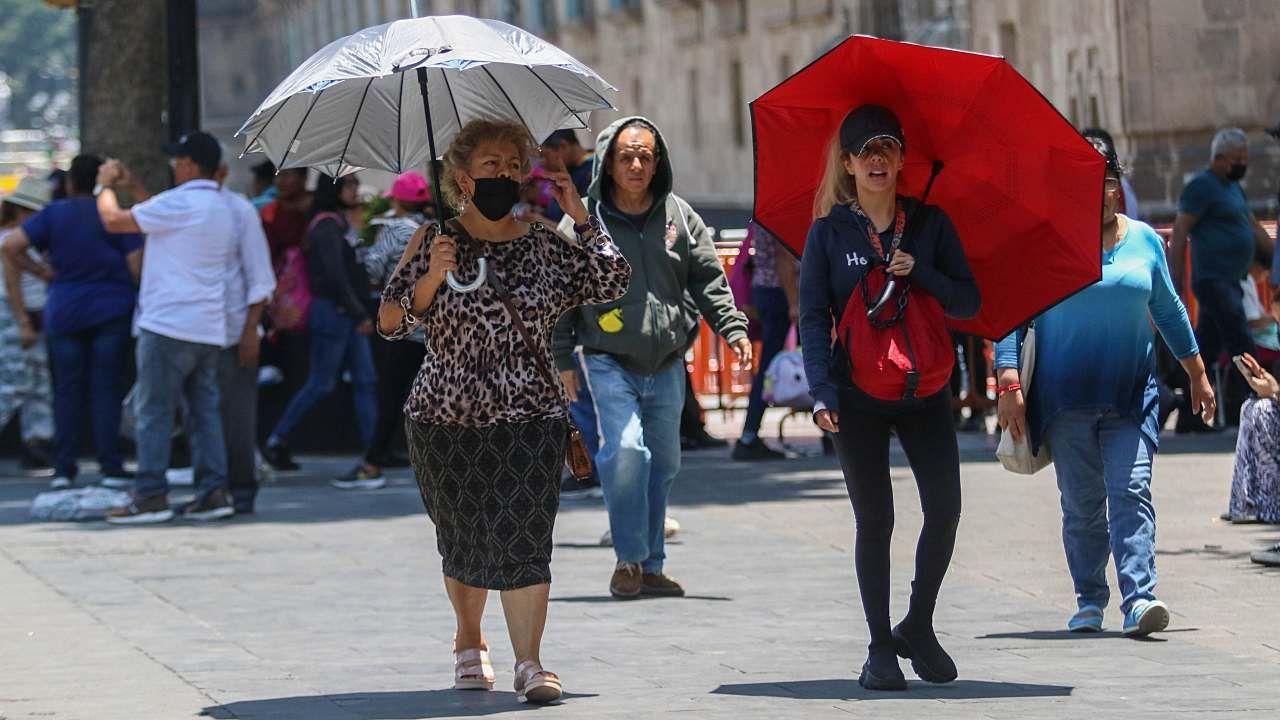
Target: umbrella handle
884, 298
472, 286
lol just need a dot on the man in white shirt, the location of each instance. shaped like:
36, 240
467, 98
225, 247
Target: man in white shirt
250, 282
182, 324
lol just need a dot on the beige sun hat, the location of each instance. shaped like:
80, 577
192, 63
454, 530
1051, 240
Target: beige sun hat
31, 193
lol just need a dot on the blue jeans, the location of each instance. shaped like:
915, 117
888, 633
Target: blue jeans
1103, 462
639, 420
583, 412
89, 362
775, 323
335, 345
167, 369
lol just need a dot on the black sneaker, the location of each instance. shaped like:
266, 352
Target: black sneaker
703, 439
755, 450
277, 456
921, 647
571, 488
360, 479
214, 506
881, 671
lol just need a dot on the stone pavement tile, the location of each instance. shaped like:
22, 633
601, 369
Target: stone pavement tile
330, 605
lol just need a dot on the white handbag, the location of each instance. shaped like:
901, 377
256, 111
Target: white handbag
1017, 456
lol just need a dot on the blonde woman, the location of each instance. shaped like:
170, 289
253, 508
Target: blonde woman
486, 418
860, 222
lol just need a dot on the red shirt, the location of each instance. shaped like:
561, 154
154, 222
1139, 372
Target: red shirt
285, 227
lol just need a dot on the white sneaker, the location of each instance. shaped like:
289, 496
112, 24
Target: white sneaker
670, 526
116, 483
61, 483
181, 476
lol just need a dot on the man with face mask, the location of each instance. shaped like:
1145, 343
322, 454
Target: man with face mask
1214, 212
634, 347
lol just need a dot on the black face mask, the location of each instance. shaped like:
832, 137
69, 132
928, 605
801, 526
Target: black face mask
1237, 171
494, 197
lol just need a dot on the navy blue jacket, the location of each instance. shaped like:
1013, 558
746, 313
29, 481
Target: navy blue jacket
838, 253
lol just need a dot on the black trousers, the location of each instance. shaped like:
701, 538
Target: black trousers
397, 363
928, 437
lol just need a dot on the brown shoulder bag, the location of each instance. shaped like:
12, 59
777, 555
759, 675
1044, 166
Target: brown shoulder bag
577, 456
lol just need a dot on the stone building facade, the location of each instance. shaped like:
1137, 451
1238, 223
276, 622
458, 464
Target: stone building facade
1161, 75
689, 65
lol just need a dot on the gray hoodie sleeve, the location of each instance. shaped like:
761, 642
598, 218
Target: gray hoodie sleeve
564, 338
708, 285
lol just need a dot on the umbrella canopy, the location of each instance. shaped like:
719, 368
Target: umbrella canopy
1021, 185
355, 104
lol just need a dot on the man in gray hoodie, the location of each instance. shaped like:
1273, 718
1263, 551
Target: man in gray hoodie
634, 347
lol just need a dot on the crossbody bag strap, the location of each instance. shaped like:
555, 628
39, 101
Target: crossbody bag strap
504, 297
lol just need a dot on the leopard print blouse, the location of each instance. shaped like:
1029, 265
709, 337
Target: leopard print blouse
478, 370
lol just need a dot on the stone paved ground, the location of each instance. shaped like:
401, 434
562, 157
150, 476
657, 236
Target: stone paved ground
328, 605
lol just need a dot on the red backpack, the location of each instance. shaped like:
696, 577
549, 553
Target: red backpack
902, 351
290, 307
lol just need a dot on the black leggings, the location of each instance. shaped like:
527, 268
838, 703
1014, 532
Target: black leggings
398, 363
928, 436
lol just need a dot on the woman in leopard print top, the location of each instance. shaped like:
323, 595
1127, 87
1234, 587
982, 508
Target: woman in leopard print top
487, 427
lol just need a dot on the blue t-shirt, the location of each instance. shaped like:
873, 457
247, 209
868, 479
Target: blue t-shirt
1095, 350
1222, 244
91, 281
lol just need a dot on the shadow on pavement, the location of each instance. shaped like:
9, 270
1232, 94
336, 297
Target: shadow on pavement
403, 705
849, 689
611, 599
1068, 635
1051, 635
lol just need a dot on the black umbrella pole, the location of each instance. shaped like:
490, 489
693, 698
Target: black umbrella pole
438, 194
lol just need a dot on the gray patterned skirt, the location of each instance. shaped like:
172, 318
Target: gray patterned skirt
1255, 482
493, 493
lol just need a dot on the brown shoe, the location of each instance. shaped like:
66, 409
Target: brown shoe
142, 512
659, 585
625, 583
214, 506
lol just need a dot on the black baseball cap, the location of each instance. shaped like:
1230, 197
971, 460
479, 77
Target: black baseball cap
203, 149
869, 122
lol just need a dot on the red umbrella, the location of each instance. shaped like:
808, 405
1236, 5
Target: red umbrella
1022, 186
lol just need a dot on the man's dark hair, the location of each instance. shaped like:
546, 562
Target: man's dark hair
633, 123
328, 194
84, 173
265, 172
1101, 139
561, 137
58, 184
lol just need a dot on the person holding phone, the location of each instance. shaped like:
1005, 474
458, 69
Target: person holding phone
1096, 403
1255, 479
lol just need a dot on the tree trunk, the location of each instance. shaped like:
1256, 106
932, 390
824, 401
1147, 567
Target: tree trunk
124, 87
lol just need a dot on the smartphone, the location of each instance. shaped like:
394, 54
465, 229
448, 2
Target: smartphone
1242, 366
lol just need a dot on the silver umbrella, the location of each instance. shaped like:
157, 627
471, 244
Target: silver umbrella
387, 96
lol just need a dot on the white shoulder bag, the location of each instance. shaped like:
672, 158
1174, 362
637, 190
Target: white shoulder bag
1017, 456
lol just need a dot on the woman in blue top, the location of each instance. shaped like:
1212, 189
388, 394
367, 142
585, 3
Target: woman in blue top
87, 318
1094, 400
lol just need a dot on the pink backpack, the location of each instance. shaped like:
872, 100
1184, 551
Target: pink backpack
290, 308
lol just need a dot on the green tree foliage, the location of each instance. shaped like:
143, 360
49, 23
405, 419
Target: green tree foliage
38, 54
